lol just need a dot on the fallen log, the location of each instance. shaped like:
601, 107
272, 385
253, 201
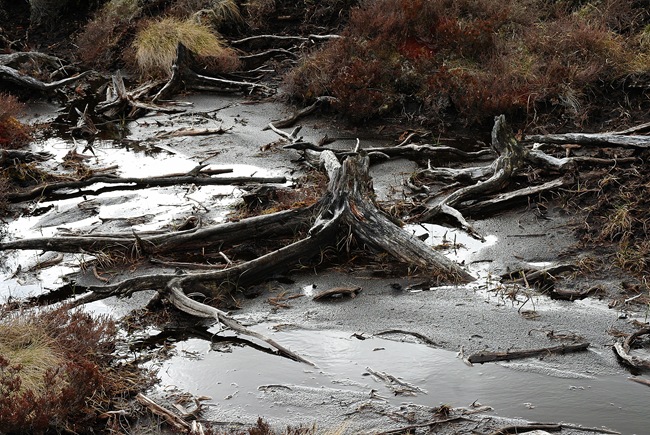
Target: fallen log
483, 357
14, 77
412, 151
640, 381
507, 430
593, 139
337, 292
197, 239
45, 191
120, 102
174, 420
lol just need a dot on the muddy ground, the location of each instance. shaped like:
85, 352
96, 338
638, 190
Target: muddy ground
351, 341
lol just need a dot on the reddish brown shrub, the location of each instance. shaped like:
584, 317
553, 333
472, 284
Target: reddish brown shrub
13, 133
56, 370
102, 37
471, 59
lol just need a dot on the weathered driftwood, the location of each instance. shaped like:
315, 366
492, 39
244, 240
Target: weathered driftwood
411, 151
175, 295
191, 131
256, 60
196, 239
518, 429
593, 139
12, 76
532, 276
130, 103
503, 200
411, 428
266, 41
347, 204
641, 381
511, 157
483, 357
492, 179
622, 348
417, 335
48, 189
337, 292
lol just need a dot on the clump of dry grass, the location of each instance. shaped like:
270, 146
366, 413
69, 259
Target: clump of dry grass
155, 45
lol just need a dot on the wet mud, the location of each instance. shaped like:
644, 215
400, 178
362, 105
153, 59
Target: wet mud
346, 338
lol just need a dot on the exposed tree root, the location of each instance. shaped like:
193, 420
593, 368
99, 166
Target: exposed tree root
184, 77
483, 181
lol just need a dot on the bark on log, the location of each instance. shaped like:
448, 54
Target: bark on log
45, 190
284, 222
483, 357
593, 139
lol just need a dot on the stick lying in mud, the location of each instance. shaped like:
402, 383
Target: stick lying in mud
174, 420
622, 349
337, 292
483, 357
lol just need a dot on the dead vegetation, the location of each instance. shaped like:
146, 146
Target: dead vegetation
432, 61
58, 371
426, 62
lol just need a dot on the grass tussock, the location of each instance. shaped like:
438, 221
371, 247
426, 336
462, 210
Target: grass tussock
434, 60
57, 371
155, 45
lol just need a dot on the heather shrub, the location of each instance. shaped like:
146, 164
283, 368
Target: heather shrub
100, 38
56, 370
155, 45
13, 134
435, 60
258, 12
49, 12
